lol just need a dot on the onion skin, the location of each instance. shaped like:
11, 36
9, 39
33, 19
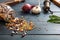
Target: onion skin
27, 8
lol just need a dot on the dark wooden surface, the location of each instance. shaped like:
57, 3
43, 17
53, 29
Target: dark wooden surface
43, 31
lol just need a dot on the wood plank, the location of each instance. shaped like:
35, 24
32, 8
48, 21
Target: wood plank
56, 2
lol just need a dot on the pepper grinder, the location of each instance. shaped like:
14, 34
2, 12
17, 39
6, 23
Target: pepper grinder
47, 6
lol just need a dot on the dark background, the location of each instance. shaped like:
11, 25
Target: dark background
44, 30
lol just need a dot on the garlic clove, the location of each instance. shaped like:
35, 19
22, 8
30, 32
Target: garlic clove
36, 10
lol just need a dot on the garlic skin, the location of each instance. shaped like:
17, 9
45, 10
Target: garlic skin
36, 10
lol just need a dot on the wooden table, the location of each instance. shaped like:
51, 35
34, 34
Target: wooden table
43, 31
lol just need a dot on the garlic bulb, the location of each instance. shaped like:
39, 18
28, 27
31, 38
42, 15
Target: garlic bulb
36, 10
